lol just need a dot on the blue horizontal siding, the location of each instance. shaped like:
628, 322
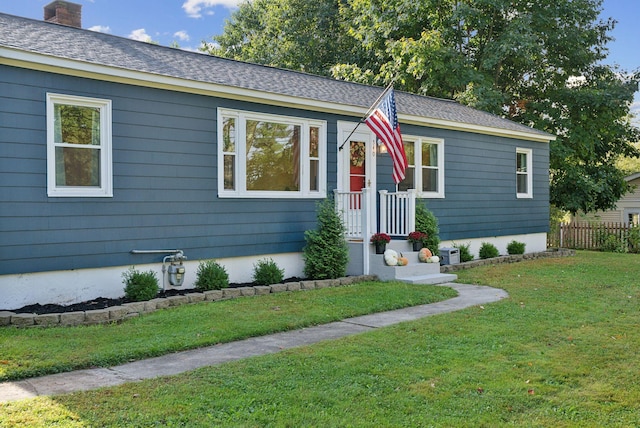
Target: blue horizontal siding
480, 186
165, 183
164, 176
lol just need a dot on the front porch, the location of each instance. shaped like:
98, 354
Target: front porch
365, 213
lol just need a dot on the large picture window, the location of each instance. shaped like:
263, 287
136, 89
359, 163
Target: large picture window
425, 172
270, 156
524, 177
78, 146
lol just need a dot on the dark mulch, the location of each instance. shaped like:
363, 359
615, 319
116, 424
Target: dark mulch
103, 302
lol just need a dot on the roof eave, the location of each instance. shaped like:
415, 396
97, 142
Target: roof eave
54, 64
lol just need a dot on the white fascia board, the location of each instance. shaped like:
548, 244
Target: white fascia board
49, 63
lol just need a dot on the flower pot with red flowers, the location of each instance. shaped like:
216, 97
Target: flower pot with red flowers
418, 239
380, 240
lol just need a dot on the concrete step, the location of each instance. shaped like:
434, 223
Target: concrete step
414, 273
439, 278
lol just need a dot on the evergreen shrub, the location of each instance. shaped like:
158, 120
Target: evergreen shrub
211, 276
267, 272
326, 253
488, 251
140, 286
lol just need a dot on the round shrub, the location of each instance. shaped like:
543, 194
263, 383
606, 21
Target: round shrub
465, 252
516, 247
140, 286
267, 272
488, 251
211, 276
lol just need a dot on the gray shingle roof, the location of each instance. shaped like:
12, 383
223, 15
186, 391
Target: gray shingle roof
95, 48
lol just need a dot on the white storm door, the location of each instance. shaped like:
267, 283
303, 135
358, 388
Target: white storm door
356, 170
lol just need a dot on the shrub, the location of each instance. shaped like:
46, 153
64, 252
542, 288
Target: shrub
211, 276
140, 286
613, 244
465, 252
266, 272
427, 223
488, 251
633, 239
515, 247
326, 254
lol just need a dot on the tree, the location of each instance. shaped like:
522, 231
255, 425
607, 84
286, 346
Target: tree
305, 35
536, 62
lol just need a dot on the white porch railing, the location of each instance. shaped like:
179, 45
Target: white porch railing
397, 212
350, 207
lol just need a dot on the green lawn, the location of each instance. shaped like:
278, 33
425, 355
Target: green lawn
560, 352
32, 352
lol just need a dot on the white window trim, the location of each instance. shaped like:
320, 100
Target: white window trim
418, 141
240, 166
529, 193
106, 176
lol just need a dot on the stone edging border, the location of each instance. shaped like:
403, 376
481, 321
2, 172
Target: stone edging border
134, 309
551, 253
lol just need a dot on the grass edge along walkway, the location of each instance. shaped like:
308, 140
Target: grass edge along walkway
172, 364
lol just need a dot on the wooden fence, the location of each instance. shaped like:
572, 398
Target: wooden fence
619, 237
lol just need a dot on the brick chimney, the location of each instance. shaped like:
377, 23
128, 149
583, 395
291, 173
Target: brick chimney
64, 12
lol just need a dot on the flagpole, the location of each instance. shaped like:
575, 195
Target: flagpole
373, 106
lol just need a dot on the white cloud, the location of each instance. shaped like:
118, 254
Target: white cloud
181, 35
140, 35
194, 8
101, 29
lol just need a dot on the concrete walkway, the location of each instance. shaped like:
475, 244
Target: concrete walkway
180, 362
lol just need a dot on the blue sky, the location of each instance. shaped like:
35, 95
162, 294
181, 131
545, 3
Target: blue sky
190, 22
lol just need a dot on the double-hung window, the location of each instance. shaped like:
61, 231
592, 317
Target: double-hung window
425, 173
78, 146
261, 155
524, 173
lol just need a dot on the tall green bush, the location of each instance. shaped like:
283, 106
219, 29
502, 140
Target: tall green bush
427, 222
326, 254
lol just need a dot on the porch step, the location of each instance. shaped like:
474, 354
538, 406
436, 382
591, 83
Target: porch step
414, 273
440, 278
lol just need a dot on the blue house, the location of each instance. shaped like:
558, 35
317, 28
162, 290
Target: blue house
118, 153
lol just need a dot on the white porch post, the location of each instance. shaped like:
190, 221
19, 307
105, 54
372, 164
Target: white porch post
366, 232
411, 220
383, 211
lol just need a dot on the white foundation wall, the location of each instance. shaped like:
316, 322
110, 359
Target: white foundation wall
534, 243
74, 286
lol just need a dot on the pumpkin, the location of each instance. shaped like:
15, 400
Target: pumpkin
402, 260
391, 258
424, 255
435, 259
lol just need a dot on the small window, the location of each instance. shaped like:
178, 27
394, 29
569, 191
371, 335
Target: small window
524, 175
425, 173
78, 147
270, 156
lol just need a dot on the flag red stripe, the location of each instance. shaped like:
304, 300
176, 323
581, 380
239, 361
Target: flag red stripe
382, 126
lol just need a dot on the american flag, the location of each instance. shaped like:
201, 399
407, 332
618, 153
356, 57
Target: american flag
383, 121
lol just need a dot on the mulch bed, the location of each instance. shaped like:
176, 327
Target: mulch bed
103, 302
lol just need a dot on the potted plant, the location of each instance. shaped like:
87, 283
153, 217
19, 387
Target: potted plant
418, 239
380, 240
